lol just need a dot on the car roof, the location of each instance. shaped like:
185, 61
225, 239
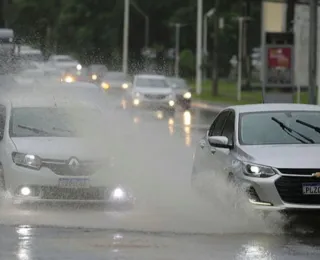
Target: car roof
269, 107
150, 76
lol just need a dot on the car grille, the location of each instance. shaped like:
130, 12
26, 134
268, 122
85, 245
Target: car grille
62, 168
156, 97
72, 194
299, 171
290, 190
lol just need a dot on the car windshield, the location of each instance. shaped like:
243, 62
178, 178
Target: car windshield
64, 59
54, 122
279, 127
116, 76
178, 83
152, 82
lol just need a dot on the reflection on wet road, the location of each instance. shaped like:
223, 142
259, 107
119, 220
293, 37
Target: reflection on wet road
170, 221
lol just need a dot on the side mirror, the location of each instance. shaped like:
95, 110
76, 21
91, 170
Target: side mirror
219, 142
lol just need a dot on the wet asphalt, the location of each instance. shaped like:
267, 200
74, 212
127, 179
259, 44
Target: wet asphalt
169, 221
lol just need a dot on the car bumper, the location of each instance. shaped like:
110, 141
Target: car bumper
272, 194
183, 101
45, 186
155, 104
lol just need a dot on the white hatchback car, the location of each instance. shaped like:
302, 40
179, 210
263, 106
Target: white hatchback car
52, 150
153, 91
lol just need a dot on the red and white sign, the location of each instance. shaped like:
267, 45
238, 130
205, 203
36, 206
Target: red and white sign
279, 69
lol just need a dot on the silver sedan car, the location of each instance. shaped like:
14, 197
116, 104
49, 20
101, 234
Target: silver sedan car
270, 150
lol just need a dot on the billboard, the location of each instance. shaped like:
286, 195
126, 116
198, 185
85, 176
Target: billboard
279, 66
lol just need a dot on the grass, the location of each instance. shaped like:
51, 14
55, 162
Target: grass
228, 94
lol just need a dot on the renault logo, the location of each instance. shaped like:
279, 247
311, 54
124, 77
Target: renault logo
74, 164
316, 175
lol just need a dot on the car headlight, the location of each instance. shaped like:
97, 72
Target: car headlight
105, 85
94, 77
125, 85
26, 160
187, 95
255, 170
79, 67
118, 194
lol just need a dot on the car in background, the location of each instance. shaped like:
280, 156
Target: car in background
153, 91
269, 151
96, 72
182, 91
115, 81
38, 73
52, 151
64, 62
73, 75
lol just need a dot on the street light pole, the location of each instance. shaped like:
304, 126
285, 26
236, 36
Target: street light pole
205, 36
125, 36
239, 84
177, 50
199, 47
313, 35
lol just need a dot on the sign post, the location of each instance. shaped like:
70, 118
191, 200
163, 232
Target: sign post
278, 68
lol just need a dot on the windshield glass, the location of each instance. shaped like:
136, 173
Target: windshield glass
54, 122
116, 76
152, 82
265, 128
64, 59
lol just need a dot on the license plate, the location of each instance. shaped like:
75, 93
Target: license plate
311, 189
74, 183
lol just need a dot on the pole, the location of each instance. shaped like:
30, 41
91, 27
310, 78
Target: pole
199, 47
205, 44
177, 50
240, 59
125, 36
147, 32
313, 10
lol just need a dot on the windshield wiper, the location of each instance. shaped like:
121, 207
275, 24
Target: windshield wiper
62, 130
315, 128
35, 130
289, 131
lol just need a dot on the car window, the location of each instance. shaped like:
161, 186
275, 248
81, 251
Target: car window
261, 128
229, 127
151, 82
218, 123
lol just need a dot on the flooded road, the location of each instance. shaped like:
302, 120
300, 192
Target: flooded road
153, 152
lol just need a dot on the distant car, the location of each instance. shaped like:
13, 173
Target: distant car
182, 91
64, 62
73, 75
115, 81
96, 72
270, 151
51, 151
153, 91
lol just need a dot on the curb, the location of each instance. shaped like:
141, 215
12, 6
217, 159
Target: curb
207, 106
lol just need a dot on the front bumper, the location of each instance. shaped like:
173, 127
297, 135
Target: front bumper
280, 193
44, 185
183, 101
167, 103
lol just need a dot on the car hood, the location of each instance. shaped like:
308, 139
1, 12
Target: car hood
153, 90
61, 148
283, 156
